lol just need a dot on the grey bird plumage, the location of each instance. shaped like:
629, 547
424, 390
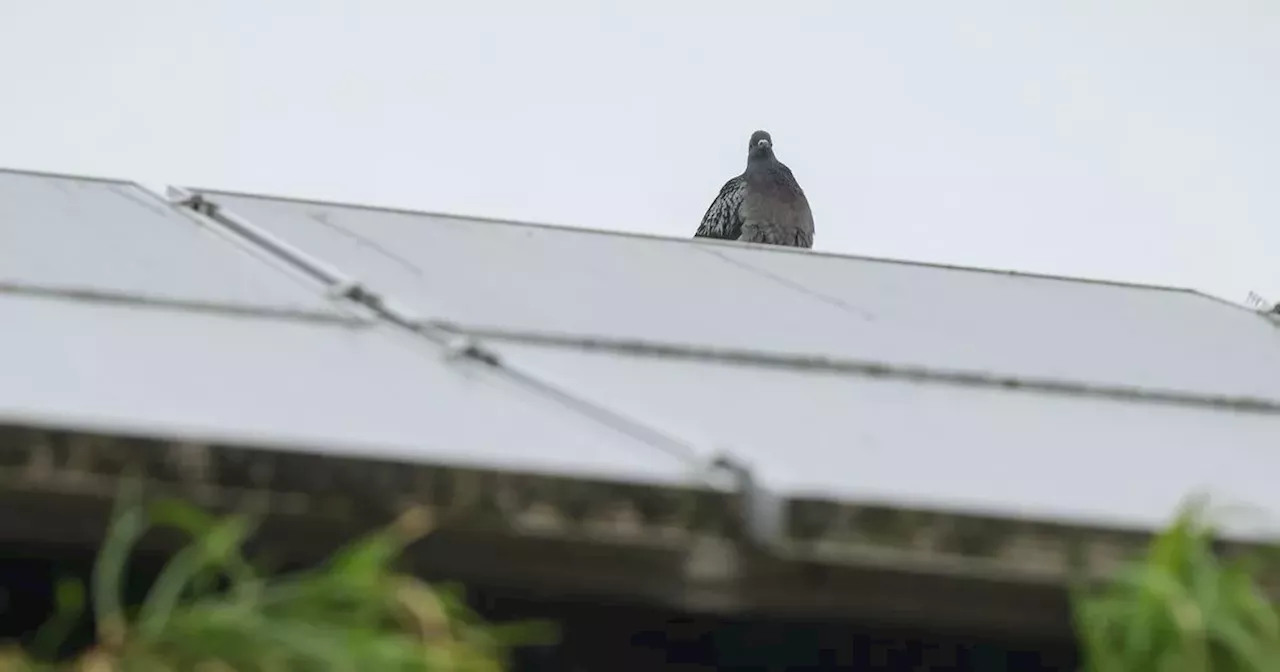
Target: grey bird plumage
764, 204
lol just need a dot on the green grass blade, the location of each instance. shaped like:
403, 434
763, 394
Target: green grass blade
197, 523
69, 608
127, 527
211, 550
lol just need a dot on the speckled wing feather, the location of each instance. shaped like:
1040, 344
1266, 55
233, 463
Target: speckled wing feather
723, 219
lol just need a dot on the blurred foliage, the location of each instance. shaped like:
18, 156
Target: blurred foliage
209, 610
1182, 608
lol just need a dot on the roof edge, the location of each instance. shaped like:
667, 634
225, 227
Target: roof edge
636, 234
696, 241
67, 176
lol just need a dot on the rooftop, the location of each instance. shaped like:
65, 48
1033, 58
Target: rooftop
627, 357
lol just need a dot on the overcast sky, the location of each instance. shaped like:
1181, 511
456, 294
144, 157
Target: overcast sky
1121, 139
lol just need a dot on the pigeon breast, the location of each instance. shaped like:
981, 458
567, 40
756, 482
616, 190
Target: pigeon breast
774, 209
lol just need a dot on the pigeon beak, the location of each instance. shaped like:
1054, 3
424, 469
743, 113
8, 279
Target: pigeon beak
762, 143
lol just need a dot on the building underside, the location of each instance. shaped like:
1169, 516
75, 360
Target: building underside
634, 575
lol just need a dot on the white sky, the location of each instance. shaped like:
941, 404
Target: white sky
1122, 139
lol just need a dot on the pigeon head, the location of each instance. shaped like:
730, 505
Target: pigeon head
761, 146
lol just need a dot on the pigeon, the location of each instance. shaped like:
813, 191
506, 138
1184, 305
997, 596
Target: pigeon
764, 204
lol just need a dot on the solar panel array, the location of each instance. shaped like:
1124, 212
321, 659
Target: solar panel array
832, 376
